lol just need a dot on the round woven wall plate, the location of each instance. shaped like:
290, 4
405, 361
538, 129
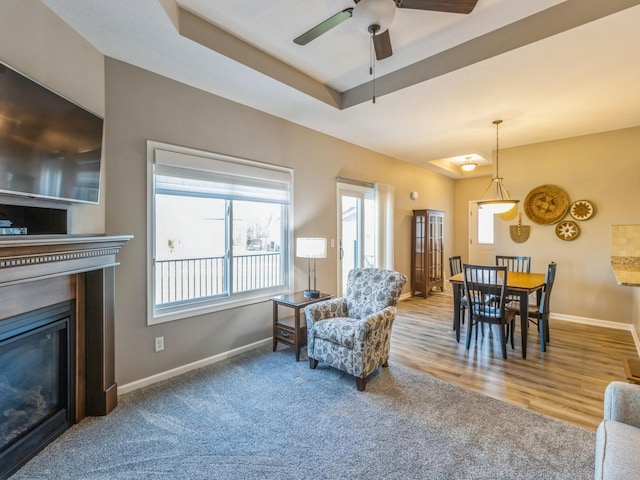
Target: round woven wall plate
546, 204
582, 210
567, 230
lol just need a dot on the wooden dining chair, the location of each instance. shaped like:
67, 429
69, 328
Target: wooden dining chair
455, 267
514, 263
538, 313
485, 288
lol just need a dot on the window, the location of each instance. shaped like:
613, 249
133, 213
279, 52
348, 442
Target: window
219, 231
485, 227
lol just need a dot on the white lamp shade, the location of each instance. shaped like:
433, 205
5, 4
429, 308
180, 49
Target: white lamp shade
373, 12
311, 247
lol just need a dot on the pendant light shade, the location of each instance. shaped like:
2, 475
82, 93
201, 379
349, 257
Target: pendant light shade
500, 201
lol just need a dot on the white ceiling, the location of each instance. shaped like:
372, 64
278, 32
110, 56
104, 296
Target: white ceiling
556, 73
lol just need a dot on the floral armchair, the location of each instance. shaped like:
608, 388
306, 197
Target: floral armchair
353, 333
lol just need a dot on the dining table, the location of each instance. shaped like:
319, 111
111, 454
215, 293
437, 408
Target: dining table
520, 284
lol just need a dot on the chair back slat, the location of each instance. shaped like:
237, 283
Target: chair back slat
514, 263
455, 265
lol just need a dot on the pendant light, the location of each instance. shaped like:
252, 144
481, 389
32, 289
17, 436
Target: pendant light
501, 202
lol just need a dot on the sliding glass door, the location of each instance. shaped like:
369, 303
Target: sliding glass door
356, 230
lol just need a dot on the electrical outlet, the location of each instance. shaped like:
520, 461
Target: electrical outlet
159, 344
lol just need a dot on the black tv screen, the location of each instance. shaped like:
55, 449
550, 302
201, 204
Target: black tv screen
49, 146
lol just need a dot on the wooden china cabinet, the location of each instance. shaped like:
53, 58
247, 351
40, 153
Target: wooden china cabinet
427, 251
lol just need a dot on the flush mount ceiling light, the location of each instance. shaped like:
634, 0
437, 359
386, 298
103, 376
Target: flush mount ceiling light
500, 202
468, 165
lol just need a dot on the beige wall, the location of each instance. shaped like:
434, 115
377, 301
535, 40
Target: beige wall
37, 43
140, 106
603, 168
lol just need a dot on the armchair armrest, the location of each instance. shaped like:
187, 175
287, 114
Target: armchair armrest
622, 403
332, 308
374, 322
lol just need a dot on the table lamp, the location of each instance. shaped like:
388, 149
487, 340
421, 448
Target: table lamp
311, 248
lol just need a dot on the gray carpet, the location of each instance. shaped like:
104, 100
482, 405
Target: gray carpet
261, 415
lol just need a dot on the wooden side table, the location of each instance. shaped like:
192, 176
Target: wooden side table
292, 333
632, 370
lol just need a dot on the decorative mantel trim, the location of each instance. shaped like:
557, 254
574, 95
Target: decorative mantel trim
24, 259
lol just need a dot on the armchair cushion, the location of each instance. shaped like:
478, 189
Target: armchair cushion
622, 403
617, 455
339, 330
617, 451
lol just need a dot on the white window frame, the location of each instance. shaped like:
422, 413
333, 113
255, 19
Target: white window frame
203, 160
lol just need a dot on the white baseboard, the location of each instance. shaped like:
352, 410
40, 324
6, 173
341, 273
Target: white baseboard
600, 323
174, 372
591, 321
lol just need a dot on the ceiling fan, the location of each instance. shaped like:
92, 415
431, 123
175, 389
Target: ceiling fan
375, 16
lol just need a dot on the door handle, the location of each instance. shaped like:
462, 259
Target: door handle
341, 253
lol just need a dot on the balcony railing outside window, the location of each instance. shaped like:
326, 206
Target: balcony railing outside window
184, 280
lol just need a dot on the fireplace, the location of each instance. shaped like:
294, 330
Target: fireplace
57, 362
37, 382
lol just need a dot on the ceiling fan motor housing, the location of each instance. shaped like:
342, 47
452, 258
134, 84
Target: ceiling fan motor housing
374, 12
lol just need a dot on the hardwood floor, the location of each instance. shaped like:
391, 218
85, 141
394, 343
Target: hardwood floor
566, 382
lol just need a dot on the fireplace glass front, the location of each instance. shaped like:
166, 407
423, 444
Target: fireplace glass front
36, 382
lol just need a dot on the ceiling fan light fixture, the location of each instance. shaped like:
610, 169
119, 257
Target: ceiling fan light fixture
501, 202
368, 13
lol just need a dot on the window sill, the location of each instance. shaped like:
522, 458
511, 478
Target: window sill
193, 310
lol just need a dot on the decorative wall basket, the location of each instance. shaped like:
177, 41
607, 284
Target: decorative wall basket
519, 233
582, 210
567, 230
546, 204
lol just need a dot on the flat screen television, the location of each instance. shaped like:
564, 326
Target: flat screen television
49, 146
